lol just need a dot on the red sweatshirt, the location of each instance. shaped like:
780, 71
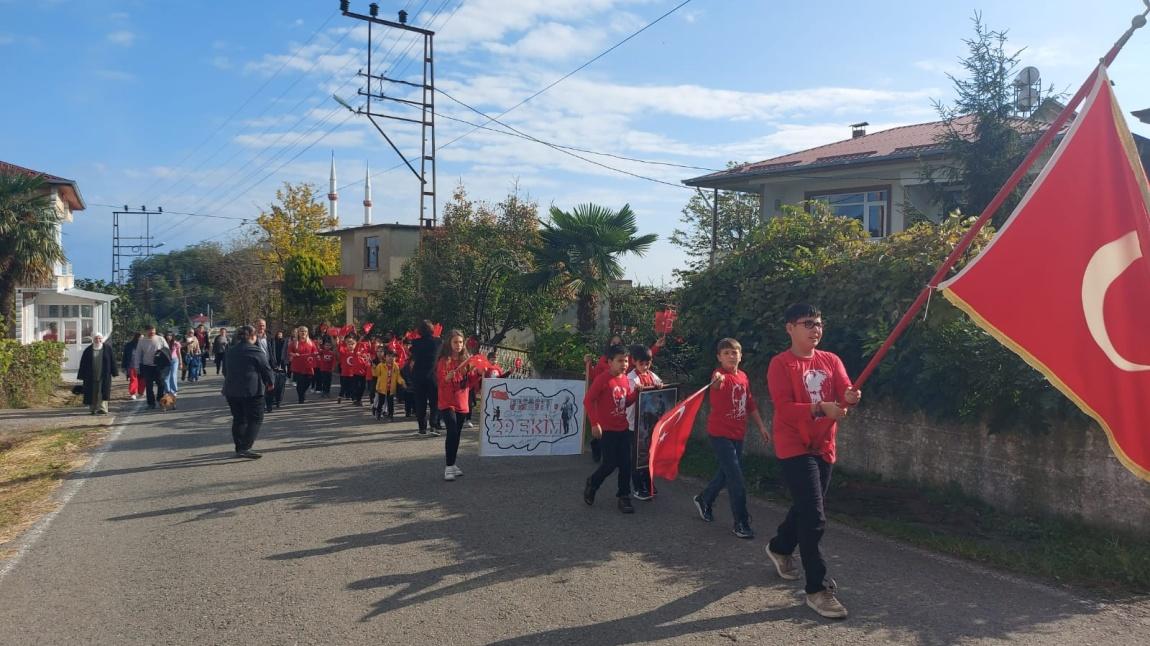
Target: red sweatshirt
731, 402
352, 364
607, 400
325, 360
302, 357
796, 382
453, 394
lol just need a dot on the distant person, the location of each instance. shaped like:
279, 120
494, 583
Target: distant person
452, 376
302, 354
172, 374
220, 348
424, 351
135, 388
151, 359
388, 381
97, 367
247, 376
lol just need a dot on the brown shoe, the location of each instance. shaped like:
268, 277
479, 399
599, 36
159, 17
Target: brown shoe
785, 565
826, 604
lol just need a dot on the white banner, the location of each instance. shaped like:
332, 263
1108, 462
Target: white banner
532, 417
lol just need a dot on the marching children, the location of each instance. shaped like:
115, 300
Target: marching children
806, 385
387, 383
325, 360
593, 371
376, 360
731, 404
606, 404
642, 378
452, 374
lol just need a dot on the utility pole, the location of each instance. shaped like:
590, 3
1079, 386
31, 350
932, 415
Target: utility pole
137, 246
425, 104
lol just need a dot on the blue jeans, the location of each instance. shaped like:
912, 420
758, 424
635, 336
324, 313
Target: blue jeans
729, 453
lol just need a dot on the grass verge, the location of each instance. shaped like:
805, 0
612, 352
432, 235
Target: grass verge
947, 521
32, 465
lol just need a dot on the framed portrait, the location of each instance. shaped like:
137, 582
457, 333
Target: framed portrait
651, 406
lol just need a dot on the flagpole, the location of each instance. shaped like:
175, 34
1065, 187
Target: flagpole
1138, 22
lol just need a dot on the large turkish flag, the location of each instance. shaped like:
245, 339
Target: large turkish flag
670, 434
1066, 282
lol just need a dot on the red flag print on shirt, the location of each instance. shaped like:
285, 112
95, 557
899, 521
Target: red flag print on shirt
1064, 283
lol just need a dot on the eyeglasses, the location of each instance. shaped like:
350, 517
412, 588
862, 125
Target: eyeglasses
810, 325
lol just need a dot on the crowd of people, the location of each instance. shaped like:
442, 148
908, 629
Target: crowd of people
437, 380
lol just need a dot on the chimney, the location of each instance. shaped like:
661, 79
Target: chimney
332, 196
367, 194
858, 129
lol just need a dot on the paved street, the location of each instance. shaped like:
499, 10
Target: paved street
345, 533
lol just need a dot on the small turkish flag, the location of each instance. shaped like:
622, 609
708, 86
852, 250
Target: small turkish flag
367, 327
1064, 283
669, 436
500, 394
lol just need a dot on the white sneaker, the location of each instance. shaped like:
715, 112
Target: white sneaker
468, 424
135, 397
456, 470
449, 474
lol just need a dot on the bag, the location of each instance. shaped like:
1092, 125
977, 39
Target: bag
78, 389
162, 359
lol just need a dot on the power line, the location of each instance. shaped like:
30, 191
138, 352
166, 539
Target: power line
245, 103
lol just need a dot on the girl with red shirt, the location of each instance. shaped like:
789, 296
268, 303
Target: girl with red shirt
325, 360
452, 378
301, 355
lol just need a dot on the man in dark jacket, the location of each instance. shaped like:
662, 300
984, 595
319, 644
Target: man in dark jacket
97, 367
424, 351
247, 376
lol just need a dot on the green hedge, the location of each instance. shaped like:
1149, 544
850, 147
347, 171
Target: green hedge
28, 373
945, 365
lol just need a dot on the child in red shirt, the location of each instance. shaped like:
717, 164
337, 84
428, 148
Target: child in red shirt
806, 385
606, 404
731, 405
325, 359
452, 377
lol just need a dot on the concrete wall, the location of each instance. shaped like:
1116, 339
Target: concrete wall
1067, 473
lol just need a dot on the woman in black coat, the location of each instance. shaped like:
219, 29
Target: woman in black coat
97, 367
247, 376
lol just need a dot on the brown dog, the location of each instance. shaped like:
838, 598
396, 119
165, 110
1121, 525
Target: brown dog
167, 402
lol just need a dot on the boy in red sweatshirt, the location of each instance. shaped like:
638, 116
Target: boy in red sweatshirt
731, 405
806, 387
606, 404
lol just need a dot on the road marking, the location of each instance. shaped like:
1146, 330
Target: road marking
66, 493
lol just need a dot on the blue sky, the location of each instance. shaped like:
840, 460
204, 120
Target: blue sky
192, 105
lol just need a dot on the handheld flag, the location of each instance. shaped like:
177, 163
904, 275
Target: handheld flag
669, 436
1064, 283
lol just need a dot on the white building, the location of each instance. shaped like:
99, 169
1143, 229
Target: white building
57, 310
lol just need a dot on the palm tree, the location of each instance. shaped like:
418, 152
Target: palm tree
580, 252
29, 248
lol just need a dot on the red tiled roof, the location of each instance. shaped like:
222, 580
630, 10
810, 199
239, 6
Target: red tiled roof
894, 143
69, 191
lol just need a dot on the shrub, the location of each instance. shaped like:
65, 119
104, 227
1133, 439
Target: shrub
945, 366
28, 373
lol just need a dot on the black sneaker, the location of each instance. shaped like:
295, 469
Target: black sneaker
643, 494
250, 455
743, 530
705, 511
589, 492
625, 505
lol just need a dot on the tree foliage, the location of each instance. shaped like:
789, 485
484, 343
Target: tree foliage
171, 288
579, 252
303, 290
739, 216
468, 272
982, 133
29, 248
292, 225
944, 366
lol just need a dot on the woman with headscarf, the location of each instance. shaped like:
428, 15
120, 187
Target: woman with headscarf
97, 367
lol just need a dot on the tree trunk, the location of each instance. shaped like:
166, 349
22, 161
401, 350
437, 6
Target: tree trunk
587, 312
7, 309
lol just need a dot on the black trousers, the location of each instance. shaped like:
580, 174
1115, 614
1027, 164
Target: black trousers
808, 477
384, 404
454, 423
153, 377
302, 382
247, 417
426, 396
616, 447
323, 381
358, 384
219, 362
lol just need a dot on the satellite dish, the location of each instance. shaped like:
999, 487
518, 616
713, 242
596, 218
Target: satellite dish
1027, 76
1027, 99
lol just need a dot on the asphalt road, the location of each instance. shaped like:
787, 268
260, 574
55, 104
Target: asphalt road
345, 533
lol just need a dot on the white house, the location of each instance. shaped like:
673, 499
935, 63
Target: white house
57, 310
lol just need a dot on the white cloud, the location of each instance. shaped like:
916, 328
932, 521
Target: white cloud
554, 41
122, 37
939, 66
340, 138
221, 62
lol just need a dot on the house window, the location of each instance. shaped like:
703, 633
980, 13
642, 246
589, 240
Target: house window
867, 206
371, 252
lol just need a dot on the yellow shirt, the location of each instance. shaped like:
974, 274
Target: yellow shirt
387, 379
